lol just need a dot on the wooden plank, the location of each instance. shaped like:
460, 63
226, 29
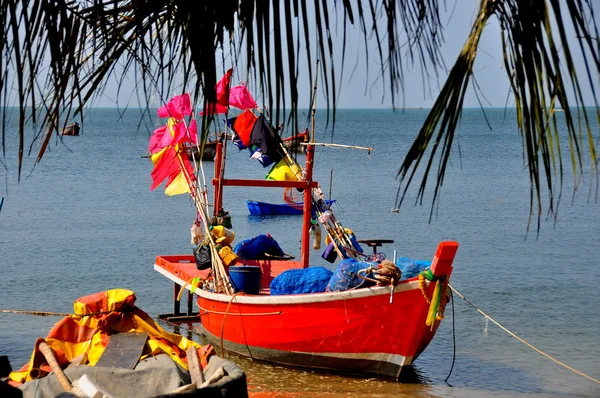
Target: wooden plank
233, 182
123, 350
195, 368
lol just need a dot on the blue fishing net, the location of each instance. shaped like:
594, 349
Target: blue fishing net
345, 276
411, 268
301, 281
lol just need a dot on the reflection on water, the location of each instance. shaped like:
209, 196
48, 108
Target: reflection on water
272, 380
471, 377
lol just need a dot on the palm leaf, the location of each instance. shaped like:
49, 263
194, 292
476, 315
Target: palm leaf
539, 63
59, 55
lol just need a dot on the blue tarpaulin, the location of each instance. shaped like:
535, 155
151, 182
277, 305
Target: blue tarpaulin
255, 248
411, 268
345, 276
301, 281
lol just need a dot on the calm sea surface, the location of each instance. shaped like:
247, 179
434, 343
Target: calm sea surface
85, 221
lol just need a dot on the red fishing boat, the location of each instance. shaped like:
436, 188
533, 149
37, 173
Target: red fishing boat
378, 330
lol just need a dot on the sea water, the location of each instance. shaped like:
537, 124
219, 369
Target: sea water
84, 220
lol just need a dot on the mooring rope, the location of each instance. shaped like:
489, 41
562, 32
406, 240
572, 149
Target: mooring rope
453, 339
48, 313
520, 339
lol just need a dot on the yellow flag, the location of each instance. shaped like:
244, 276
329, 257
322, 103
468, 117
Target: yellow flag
178, 186
282, 172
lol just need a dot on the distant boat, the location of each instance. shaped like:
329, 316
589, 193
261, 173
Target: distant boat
73, 129
277, 209
293, 144
210, 150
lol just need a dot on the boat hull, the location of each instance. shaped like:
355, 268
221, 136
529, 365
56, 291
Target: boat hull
358, 331
72, 130
257, 208
209, 152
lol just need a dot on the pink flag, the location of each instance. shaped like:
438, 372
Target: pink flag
177, 107
160, 139
240, 97
193, 132
222, 89
179, 134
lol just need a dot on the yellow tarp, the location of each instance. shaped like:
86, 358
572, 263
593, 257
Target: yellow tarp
109, 312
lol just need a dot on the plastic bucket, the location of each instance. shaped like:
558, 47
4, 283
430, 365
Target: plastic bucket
245, 278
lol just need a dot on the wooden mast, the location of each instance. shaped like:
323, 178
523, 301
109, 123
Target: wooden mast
306, 214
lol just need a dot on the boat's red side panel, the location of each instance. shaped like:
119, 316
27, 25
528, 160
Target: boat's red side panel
359, 325
184, 267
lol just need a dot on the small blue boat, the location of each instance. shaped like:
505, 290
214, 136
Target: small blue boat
277, 209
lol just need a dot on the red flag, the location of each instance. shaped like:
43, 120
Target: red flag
188, 167
215, 109
193, 132
166, 166
243, 126
222, 88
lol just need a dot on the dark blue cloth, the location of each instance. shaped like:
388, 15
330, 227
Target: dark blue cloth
301, 281
255, 248
265, 138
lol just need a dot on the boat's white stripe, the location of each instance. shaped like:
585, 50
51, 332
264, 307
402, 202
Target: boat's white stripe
236, 314
297, 298
381, 357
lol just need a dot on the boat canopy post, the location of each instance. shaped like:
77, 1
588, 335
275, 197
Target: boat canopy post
307, 184
306, 215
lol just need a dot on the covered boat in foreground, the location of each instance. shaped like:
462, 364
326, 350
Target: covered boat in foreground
111, 348
364, 318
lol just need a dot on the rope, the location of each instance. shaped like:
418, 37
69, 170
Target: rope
386, 274
521, 340
225, 317
453, 340
47, 313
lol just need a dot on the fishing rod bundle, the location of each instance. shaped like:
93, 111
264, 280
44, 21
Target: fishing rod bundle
222, 282
337, 233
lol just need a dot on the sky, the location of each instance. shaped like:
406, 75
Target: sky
360, 88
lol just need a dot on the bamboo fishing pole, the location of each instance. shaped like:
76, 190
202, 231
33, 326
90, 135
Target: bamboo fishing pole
339, 234
332, 226
218, 268
38, 313
364, 148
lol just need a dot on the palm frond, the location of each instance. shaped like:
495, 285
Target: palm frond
540, 67
171, 46
58, 56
